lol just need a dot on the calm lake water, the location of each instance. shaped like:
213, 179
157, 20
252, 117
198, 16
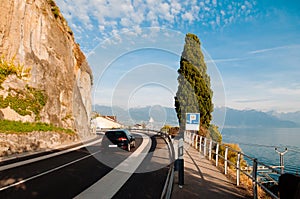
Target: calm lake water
260, 143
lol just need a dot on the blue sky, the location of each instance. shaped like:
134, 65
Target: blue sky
252, 49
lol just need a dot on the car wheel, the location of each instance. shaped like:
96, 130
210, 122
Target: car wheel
128, 147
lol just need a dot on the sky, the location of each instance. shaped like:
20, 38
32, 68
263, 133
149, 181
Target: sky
251, 48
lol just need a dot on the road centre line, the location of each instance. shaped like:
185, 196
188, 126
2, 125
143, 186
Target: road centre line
111, 183
46, 172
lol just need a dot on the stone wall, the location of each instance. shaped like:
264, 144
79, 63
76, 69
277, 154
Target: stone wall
12, 144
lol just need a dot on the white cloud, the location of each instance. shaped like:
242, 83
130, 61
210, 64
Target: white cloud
253, 93
188, 17
151, 16
101, 28
164, 8
222, 12
224, 60
286, 91
274, 48
175, 8
125, 22
207, 9
118, 14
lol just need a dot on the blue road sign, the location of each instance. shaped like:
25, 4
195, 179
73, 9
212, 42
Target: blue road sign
192, 121
193, 118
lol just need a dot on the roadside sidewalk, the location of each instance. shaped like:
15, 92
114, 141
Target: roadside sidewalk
203, 180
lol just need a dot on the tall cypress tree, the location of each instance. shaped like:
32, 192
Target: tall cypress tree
194, 93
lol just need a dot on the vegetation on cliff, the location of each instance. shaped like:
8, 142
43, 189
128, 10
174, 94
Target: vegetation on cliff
8, 67
25, 101
57, 14
7, 126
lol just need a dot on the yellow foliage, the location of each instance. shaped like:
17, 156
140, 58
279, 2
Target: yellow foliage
10, 67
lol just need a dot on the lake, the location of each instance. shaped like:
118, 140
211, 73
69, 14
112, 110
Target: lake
260, 143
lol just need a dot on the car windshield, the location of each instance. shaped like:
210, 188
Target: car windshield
114, 135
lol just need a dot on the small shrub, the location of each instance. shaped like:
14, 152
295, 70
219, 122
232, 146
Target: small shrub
55, 11
52, 3
9, 68
3, 103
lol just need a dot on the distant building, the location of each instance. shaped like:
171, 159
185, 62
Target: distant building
150, 123
105, 122
138, 126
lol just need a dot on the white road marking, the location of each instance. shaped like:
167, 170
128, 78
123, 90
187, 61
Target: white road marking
2, 168
111, 183
46, 172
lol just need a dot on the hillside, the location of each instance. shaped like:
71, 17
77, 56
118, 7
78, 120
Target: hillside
249, 118
292, 116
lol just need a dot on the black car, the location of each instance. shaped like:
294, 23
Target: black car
118, 138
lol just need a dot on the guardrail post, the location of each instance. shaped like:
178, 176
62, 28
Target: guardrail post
200, 144
193, 140
204, 150
254, 178
194, 137
188, 137
196, 146
210, 149
217, 154
225, 162
180, 164
238, 169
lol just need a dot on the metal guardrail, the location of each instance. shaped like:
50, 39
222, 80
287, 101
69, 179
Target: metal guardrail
208, 148
167, 190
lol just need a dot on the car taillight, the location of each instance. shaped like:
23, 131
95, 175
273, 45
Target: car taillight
122, 139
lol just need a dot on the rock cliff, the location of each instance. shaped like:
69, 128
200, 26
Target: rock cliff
51, 73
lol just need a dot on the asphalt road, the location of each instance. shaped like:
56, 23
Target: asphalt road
68, 175
149, 180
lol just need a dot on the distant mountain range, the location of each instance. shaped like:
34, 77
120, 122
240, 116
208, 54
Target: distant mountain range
254, 118
159, 115
293, 116
233, 118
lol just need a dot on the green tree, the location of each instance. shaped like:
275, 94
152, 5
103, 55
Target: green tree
194, 93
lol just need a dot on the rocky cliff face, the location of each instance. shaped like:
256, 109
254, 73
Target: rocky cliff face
57, 77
